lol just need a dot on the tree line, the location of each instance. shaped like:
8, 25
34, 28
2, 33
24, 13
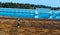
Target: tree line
25, 6
16, 5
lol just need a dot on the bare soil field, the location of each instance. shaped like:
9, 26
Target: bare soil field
8, 26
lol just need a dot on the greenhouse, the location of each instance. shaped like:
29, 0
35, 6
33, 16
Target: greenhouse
40, 13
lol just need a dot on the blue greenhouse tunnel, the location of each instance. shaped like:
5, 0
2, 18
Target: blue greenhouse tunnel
40, 13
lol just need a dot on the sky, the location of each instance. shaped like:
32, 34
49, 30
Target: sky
53, 3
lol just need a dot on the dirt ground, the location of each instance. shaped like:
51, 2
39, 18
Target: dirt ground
9, 26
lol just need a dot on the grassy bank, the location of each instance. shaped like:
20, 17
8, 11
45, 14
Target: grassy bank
8, 26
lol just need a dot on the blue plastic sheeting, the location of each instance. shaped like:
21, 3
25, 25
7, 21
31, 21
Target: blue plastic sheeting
17, 15
13, 10
44, 15
56, 14
41, 13
57, 17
